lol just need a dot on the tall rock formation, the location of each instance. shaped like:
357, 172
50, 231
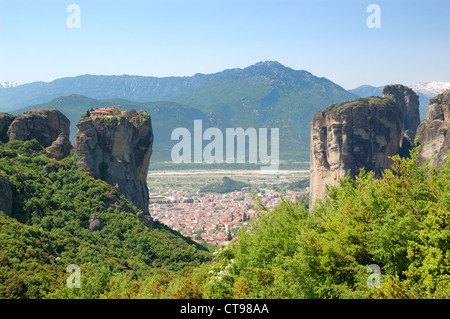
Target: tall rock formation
117, 149
360, 134
408, 101
45, 125
434, 131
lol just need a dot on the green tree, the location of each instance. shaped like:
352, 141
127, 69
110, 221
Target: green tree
399, 222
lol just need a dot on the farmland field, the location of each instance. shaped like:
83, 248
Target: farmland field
192, 180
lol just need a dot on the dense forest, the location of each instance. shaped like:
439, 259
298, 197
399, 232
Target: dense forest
370, 238
52, 228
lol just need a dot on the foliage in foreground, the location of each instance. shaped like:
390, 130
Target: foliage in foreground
401, 223
54, 205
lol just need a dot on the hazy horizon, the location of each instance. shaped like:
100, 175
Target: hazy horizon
190, 75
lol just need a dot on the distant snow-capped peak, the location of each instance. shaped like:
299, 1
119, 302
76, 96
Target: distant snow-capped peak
8, 84
431, 89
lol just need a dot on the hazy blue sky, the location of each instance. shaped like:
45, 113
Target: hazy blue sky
176, 38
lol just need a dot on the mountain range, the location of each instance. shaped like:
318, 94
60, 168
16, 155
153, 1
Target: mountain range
266, 94
425, 92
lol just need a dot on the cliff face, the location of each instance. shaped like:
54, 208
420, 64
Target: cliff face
353, 135
117, 150
45, 125
60, 148
434, 131
49, 127
5, 122
360, 134
408, 101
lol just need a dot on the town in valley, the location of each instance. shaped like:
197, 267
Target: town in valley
178, 200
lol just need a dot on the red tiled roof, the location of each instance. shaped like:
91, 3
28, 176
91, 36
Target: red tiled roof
104, 110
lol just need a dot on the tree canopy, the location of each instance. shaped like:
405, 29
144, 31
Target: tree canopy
396, 227
369, 238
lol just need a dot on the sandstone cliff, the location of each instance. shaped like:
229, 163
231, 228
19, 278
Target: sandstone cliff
48, 126
60, 148
361, 134
117, 149
408, 101
5, 122
45, 125
433, 134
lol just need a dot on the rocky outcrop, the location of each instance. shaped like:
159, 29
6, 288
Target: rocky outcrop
60, 148
5, 121
49, 127
433, 134
360, 134
146, 219
45, 125
117, 149
6, 195
95, 223
408, 101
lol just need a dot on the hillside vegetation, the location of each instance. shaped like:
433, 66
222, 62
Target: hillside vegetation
397, 226
51, 228
226, 185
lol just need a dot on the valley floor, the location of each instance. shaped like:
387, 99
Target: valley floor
176, 200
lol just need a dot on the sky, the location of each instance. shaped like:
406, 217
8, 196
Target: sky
329, 38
